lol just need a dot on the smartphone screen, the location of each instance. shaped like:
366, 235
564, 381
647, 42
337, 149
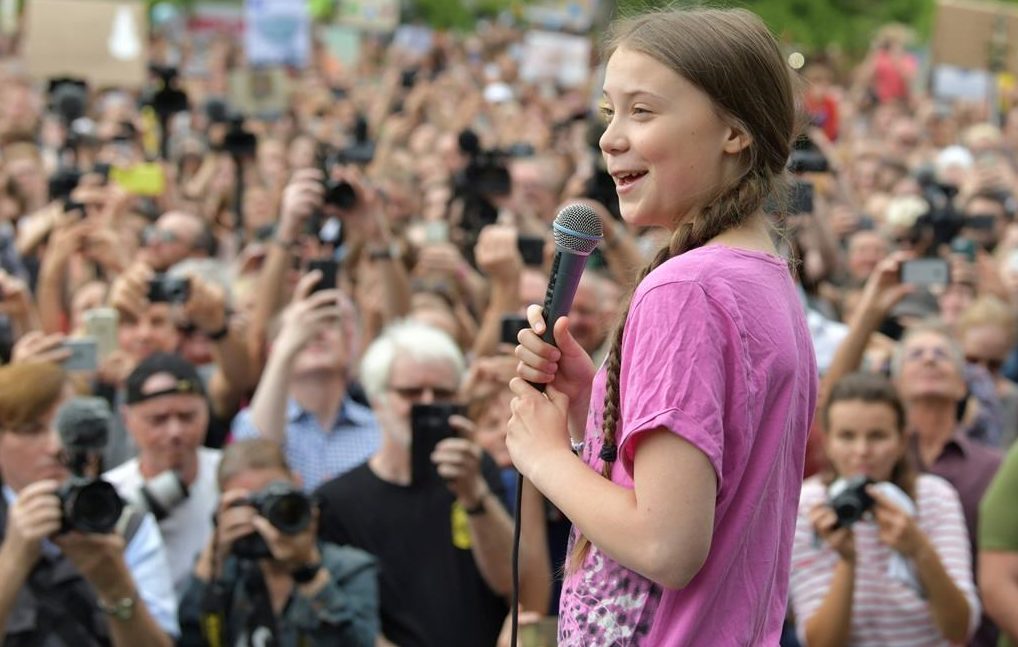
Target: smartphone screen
926, 272
511, 327
101, 325
330, 273
429, 425
531, 249
84, 355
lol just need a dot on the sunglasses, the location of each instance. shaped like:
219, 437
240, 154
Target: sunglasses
416, 393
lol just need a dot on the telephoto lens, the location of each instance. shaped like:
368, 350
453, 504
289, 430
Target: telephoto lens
852, 500
284, 506
89, 505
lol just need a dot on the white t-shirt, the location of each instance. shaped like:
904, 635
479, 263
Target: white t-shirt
189, 525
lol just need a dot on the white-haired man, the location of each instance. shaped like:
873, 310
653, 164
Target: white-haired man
443, 544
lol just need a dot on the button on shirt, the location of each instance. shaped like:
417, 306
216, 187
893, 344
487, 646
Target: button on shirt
315, 453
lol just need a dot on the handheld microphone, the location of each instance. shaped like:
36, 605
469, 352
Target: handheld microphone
577, 231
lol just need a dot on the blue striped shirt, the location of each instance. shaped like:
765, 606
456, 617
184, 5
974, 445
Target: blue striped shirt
317, 454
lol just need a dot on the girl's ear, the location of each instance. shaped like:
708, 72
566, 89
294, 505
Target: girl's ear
737, 141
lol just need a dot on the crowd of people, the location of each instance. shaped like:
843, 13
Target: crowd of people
306, 337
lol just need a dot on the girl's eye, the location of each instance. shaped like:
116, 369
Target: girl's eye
606, 113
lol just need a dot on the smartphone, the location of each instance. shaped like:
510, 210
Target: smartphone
429, 425
982, 221
511, 327
145, 179
801, 198
169, 289
926, 272
84, 355
101, 325
436, 231
330, 273
531, 249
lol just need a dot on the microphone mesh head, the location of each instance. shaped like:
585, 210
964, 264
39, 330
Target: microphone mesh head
577, 229
83, 423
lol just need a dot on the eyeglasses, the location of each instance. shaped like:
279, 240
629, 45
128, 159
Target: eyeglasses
938, 354
991, 365
416, 393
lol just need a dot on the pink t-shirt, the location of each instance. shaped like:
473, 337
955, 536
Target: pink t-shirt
716, 349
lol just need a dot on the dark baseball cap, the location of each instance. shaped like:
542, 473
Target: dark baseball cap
186, 375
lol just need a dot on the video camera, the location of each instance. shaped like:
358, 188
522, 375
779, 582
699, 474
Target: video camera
943, 219
284, 506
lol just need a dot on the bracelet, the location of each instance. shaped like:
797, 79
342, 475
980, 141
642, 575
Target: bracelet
479, 508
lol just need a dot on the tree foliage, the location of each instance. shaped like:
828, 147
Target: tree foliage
818, 24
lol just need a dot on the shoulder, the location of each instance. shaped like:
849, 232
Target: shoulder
935, 490
350, 483
345, 560
358, 413
209, 458
813, 491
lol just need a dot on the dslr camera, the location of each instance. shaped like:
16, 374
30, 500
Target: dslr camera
89, 505
852, 501
284, 506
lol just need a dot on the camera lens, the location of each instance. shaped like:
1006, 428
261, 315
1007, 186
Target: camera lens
92, 506
290, 513
340, 194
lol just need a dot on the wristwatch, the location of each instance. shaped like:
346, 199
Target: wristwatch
478, 508
121, 609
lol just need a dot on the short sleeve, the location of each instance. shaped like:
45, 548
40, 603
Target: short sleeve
678, 351
998, 515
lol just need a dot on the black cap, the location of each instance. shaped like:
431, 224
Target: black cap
187, 379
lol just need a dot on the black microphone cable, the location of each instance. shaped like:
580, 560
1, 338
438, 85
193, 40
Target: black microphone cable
577, 230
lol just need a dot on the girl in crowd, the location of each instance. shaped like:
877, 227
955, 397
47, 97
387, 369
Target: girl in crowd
900, 575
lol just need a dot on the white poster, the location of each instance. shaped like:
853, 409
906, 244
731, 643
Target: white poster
277, 32
369, 15
551, 56
951, 83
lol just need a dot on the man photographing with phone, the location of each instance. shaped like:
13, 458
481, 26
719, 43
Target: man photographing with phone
451, 588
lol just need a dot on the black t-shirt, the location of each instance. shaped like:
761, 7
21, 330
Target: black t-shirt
432, 593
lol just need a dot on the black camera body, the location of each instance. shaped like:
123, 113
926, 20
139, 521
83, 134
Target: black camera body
284, 506
853, 501
89, 505
169, 289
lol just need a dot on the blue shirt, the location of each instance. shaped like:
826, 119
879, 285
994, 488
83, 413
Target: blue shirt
319, 455
145, 557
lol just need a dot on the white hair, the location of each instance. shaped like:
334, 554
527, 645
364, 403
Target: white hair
418, 341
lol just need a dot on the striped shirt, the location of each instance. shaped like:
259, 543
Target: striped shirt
321, 454
885, 612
